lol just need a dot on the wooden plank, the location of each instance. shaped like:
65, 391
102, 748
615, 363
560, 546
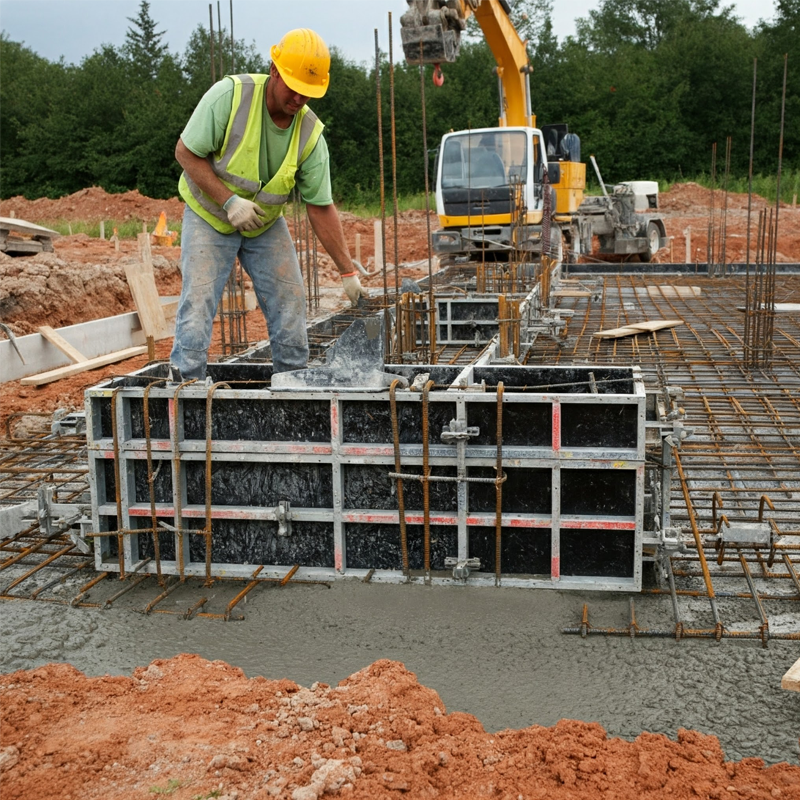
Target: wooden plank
20, 226
145, 253
791, 680
170, 312
62, 344
656, 325
570, 293
84, 366
616, 333
674, 291
145, 295
638, 327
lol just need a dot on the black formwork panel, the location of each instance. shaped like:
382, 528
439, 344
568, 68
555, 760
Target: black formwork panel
316, 479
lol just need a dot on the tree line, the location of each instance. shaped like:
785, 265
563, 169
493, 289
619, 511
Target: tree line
649, 85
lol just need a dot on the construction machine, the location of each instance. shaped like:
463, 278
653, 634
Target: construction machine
495, 186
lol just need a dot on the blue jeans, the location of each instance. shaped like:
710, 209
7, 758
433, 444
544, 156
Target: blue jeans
207, 257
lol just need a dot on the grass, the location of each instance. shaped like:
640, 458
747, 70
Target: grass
764, 185
127, 229
171, 787
368, 206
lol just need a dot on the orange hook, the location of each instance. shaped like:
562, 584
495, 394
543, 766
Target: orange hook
438, 75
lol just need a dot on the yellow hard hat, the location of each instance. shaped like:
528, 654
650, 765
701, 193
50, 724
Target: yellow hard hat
303, 61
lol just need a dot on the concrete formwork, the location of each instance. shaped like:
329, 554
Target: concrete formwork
399, 484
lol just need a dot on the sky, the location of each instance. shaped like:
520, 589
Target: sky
75, 28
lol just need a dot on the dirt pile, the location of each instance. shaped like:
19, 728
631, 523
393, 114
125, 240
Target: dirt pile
47, 289
191, 728
687, 207
92, 205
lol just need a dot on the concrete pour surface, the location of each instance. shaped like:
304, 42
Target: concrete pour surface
497, 654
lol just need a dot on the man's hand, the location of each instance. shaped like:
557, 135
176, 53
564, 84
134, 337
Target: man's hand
353, 288
243, 214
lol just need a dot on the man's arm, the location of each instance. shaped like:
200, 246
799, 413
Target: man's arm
328, 227
199, 170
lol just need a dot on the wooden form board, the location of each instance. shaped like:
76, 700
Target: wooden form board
791, 680
83, 366
55, 338
638, 327
570, 293
674, 291
142, 283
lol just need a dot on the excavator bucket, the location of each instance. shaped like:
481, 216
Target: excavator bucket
431, 31
436, 44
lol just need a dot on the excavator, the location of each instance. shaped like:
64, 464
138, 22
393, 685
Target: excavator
498, 190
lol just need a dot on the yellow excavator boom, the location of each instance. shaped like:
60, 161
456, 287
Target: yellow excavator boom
431, 33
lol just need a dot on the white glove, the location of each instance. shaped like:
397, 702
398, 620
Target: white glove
353, 288
243, 214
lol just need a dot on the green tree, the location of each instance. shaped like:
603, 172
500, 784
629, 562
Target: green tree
196, 60
643, 23
143, 43
27, 91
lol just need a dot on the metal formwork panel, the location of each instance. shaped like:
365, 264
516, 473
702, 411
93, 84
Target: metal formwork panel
310, 478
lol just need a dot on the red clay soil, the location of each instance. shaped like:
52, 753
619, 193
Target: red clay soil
688, 205
191, 728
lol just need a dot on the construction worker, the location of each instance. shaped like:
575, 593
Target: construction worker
248, 142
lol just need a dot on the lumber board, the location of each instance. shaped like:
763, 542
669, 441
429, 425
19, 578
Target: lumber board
84, 366
55, 338
674, 291
21, 226
636, 328
791, 680
142, 284
570, 293
146, 253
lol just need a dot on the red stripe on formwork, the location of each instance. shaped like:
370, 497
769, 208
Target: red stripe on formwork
512, 522
352, 450
386, 517
171, 417
337, 559
556, 426
392, 518
600, 525
162, 512
334, 420
321, 450
555, 567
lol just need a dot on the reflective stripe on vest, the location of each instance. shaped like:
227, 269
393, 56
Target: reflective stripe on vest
248, 108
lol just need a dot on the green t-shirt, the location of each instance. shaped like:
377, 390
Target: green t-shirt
205, 132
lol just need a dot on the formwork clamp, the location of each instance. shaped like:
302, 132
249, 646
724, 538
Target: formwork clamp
457, 431
462, 566
283, 515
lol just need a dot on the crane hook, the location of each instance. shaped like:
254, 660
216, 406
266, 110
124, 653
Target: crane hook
438, 75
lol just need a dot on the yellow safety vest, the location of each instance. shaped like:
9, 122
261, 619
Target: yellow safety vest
236, 164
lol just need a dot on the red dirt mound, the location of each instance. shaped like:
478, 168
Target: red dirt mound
191, 728
92, 205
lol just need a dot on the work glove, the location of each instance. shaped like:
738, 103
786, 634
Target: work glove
243, 214
353, 288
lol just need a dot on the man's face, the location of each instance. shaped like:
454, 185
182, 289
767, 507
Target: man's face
289, 101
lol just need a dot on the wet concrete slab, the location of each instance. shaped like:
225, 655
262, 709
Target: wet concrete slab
499, 655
